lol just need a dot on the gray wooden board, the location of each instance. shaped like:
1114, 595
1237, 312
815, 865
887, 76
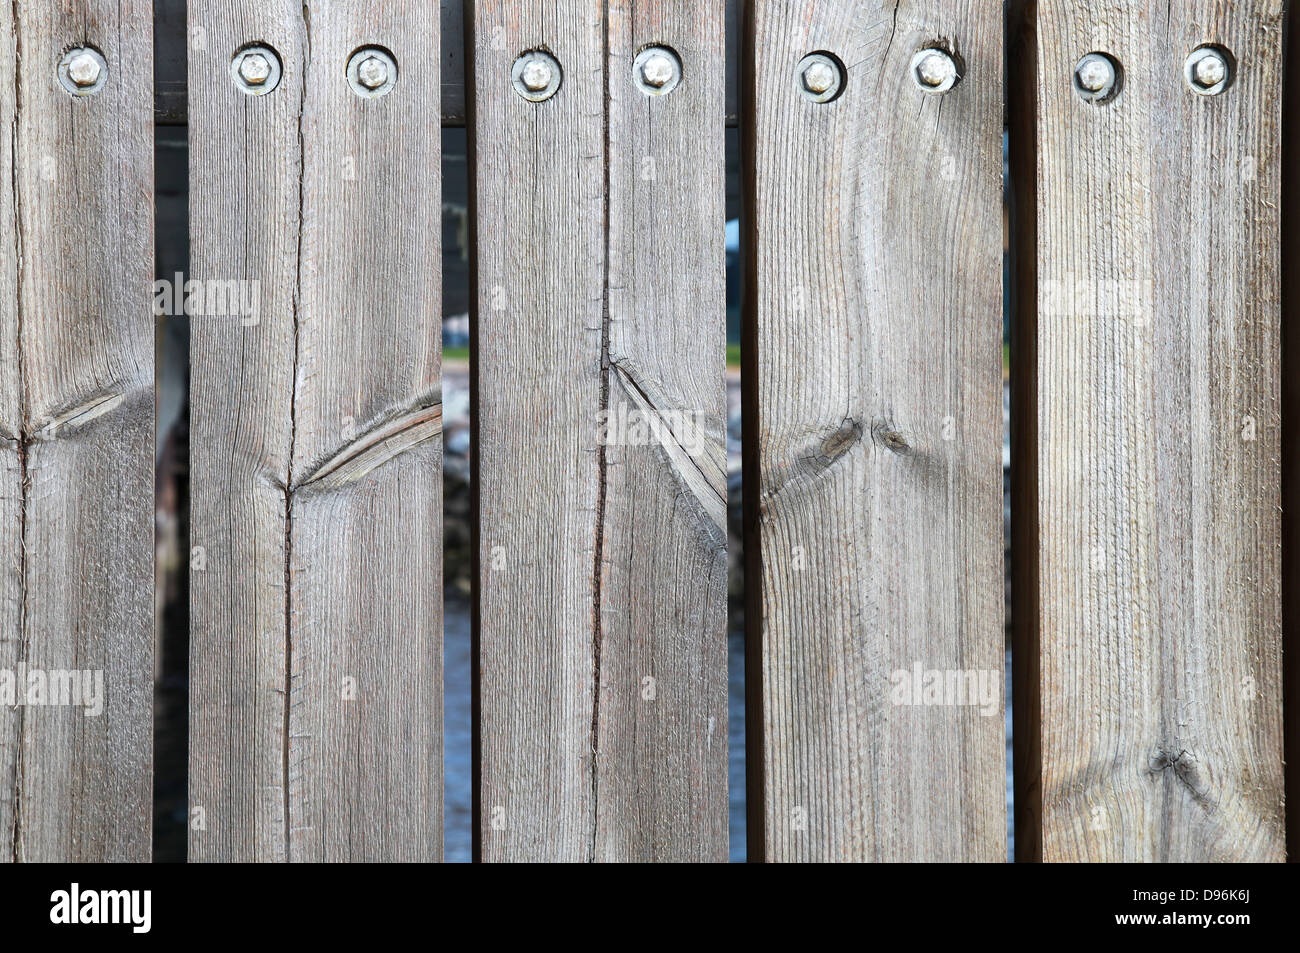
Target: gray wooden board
1158, 438
601, 559
76, 436
316, 623
874, 398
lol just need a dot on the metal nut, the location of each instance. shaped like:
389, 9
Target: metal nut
256, 70
1208, 70
819, 77
1096, 78
371, 72
536, 76
82, 71
934, 70
656, 71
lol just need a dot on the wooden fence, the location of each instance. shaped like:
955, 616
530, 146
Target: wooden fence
1144, 202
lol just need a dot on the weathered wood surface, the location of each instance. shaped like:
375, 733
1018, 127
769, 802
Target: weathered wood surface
1158, 439
316, 624
661, 789
601, 557
76, 433
874, 433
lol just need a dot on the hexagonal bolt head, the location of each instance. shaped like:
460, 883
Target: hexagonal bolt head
1207, 71
373, 72
1094, 73
818, 77
254, 69
1211, 70
936, 69
657, 70
536, 75
83, 69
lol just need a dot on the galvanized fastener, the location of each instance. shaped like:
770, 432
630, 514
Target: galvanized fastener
934, 70
256, 70
656, 71
819, 77
372, 72
1096, 78
536, 76
82, 71
1208, 70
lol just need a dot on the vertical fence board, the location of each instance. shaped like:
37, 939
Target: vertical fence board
601, 556
873, 417
539, 188
78, 432
1158, 448
661, 792
317, 461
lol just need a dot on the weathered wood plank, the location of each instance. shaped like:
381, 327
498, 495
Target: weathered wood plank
661, 792
77, 424
601, 555
873, 434
538, 306
316, 662
1158, 438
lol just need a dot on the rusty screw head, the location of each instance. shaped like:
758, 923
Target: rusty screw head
1096, 77
82, 71
934, 70
256, 70
536, 76
820, 77
1208, 71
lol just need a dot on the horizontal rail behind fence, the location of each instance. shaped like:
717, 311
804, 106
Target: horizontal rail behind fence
1145, 170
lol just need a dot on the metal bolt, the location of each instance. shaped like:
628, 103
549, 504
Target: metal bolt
82, 71
256, 70
536, 76
1207, 71
934, 70
819, 77
371, 72
656, 71
1096, 77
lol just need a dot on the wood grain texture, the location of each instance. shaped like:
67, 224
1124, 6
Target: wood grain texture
873, 416
1158, 439
77, 432
316, 626
601, 556
661, 792
538, 317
